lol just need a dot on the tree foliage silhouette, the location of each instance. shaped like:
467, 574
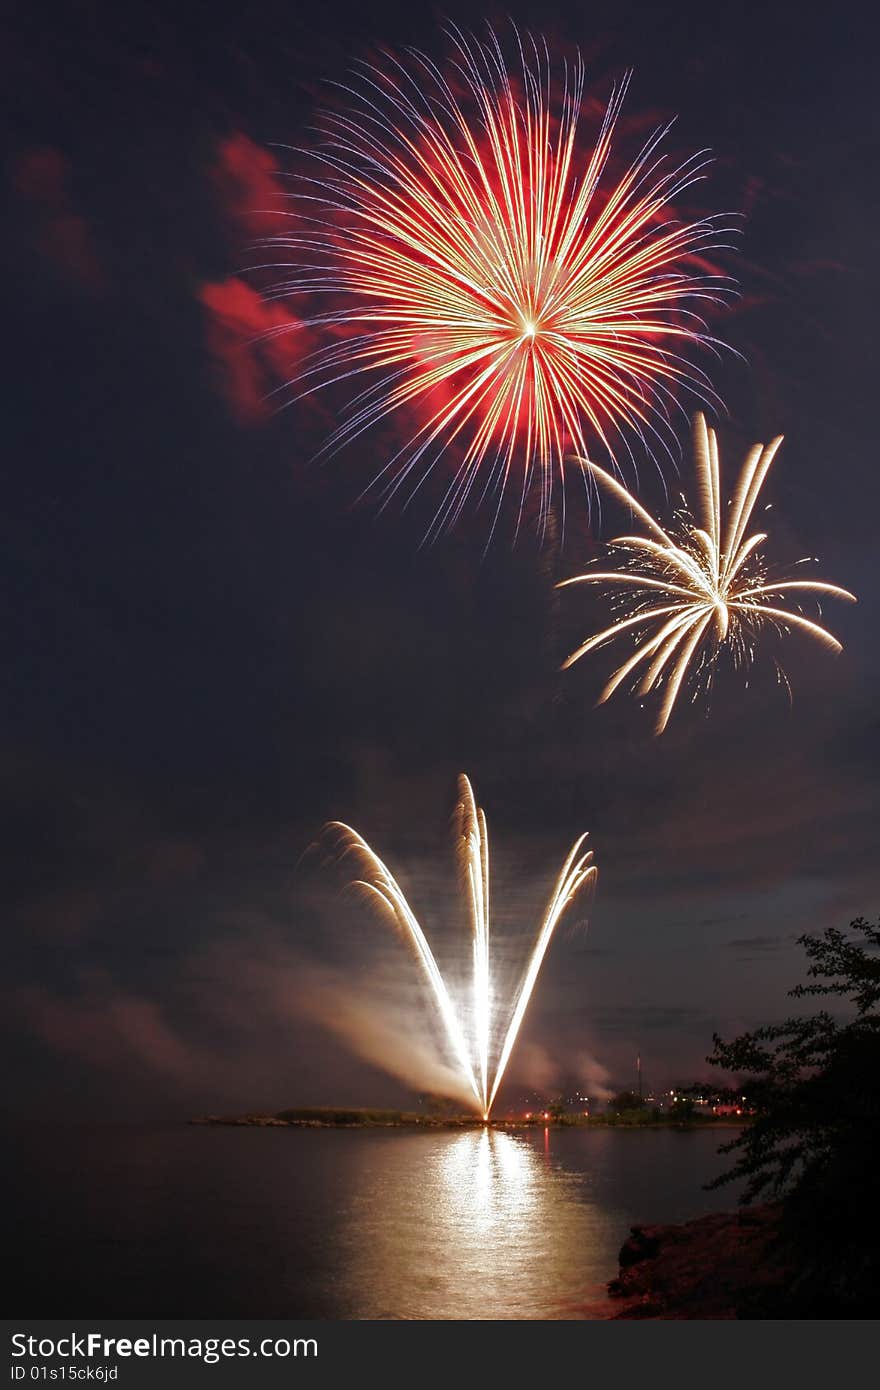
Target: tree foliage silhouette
811, 1083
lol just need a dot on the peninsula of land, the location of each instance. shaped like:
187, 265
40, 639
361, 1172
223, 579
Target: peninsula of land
328, 1117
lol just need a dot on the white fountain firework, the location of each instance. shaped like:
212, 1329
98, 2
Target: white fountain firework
471, 1045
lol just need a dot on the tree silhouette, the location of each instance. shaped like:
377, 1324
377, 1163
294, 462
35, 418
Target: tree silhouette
811, 1083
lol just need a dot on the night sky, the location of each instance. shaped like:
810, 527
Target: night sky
212, 648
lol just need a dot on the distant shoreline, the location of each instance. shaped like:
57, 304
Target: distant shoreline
318, 1117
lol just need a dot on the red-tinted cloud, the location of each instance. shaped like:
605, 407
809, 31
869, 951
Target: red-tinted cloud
60, 235
248, 336
246, 179
256, 345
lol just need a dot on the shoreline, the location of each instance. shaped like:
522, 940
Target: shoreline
331, 1118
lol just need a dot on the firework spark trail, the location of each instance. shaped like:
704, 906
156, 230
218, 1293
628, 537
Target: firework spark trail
473, 849
381, 884
577, 870
486, 273
704, 586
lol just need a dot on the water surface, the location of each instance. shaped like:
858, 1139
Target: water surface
217, 1222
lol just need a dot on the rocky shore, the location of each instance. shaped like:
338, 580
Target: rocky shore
727, 1265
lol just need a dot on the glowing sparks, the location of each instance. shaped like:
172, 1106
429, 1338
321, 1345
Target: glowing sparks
475, 261
477, 1042
701, 588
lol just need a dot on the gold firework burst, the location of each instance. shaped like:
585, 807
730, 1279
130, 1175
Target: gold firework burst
700, 587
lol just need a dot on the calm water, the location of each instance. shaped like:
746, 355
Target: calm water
332, 1224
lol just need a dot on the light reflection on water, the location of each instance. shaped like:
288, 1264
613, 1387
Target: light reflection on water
186, 1221
473, 1225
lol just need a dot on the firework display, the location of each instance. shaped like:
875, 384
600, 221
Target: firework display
482, 274
497, 301
700, 587
481, 1037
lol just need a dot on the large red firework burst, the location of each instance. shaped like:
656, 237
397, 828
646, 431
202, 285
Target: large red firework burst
467, 254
